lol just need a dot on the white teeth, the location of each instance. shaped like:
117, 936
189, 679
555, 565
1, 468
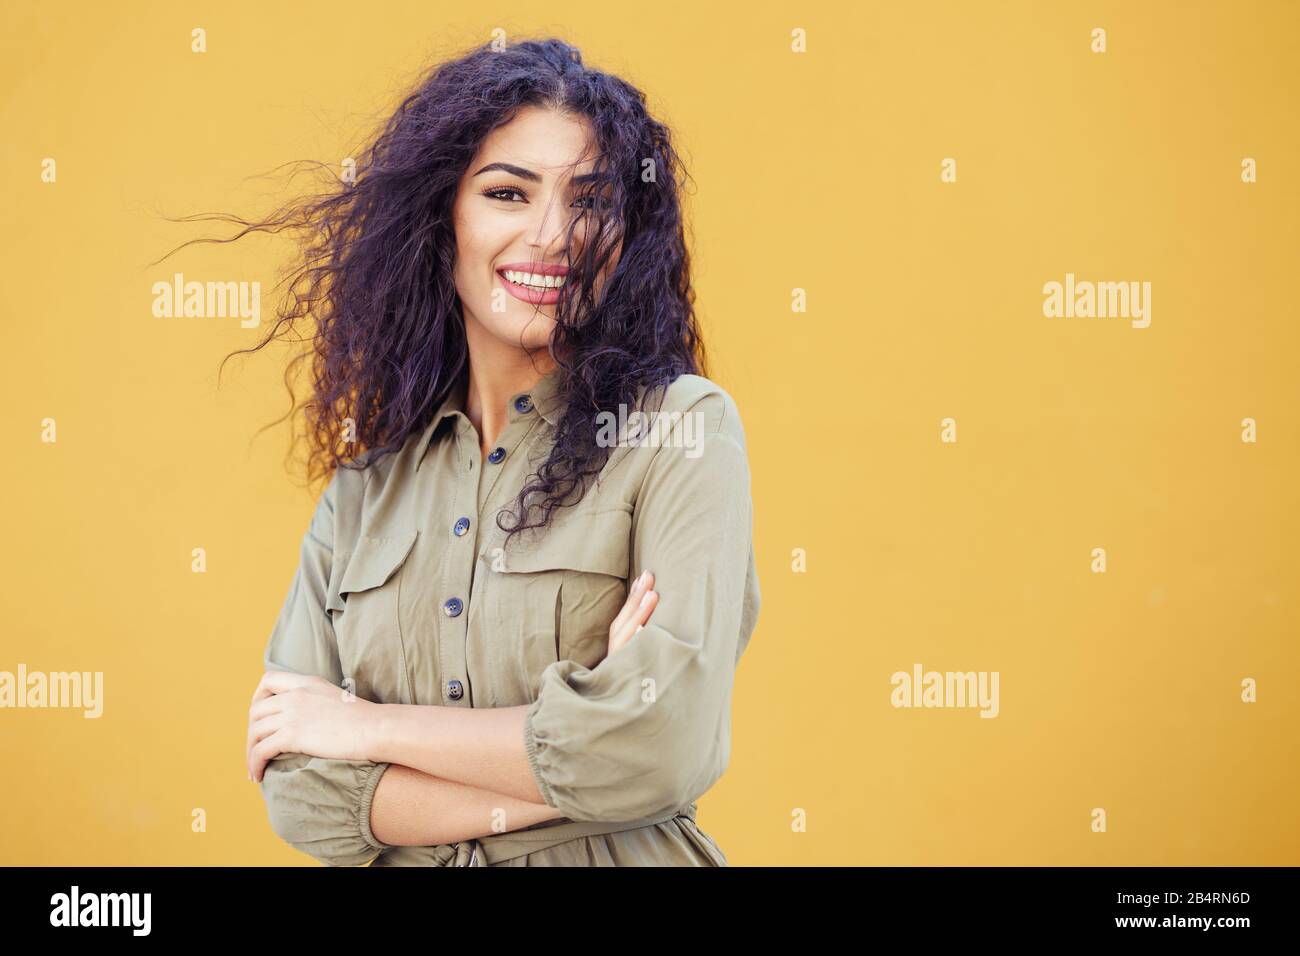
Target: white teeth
536, 281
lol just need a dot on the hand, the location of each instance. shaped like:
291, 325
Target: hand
299, 713
638, 607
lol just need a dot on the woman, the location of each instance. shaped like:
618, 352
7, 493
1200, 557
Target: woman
512, 635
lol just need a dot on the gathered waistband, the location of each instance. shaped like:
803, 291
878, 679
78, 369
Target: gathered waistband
499, 847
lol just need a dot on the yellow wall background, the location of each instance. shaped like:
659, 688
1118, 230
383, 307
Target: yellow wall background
818, 171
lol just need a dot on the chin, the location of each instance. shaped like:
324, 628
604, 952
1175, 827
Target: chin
535, 329
534, 332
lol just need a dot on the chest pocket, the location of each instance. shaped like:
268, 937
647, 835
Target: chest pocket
364, 609
557, 595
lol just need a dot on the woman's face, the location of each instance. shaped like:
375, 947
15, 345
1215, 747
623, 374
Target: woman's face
511, 214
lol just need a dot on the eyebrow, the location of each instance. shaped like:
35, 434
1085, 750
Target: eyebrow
531, 176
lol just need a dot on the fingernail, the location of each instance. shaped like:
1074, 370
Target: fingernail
645, 598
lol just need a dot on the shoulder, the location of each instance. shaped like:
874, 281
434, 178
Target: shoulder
692, 459
370, 496
366, 480
710, 405
350, 480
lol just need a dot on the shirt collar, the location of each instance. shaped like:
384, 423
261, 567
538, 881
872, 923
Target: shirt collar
545, 397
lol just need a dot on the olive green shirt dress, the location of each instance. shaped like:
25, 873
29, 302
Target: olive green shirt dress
405, 588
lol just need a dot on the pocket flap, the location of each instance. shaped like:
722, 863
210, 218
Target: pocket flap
373, 562
598, 542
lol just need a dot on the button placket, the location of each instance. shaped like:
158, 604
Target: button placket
459, 574
458, 577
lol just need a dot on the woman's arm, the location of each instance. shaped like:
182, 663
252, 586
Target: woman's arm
412, 808
470, 747
343, 807
648, 729
317, 805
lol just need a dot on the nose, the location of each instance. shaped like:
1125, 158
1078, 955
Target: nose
549, 231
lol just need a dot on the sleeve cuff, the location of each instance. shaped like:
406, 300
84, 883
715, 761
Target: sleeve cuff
530, 748
368, 786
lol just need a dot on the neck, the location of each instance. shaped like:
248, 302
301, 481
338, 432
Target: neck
493, 380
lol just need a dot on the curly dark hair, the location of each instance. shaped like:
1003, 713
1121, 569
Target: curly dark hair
375, 273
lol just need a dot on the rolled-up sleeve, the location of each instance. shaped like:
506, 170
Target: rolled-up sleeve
320, 806
648, 729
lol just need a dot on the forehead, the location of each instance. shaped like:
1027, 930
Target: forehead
551, 144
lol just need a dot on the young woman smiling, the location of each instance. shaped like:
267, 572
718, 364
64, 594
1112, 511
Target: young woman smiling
507, 642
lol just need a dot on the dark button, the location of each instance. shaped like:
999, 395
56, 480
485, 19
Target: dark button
497, 455
452, 606
461, 527
524, 403
455, 689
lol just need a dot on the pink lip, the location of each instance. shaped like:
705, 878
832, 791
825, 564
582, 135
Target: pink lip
533, 296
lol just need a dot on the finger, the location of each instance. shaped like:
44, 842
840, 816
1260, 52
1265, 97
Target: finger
637, 620
263, 733
267, 705
258, 728
249, 741
647, 607
634, 596
277, 682
263, 689
263, 728
263, 752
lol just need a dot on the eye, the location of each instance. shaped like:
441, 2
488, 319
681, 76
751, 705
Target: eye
495, 193
593, 201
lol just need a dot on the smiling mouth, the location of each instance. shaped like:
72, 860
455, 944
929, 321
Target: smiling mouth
531, 280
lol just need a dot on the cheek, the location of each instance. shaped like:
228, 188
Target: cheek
476, 245
476, 282
473, 266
